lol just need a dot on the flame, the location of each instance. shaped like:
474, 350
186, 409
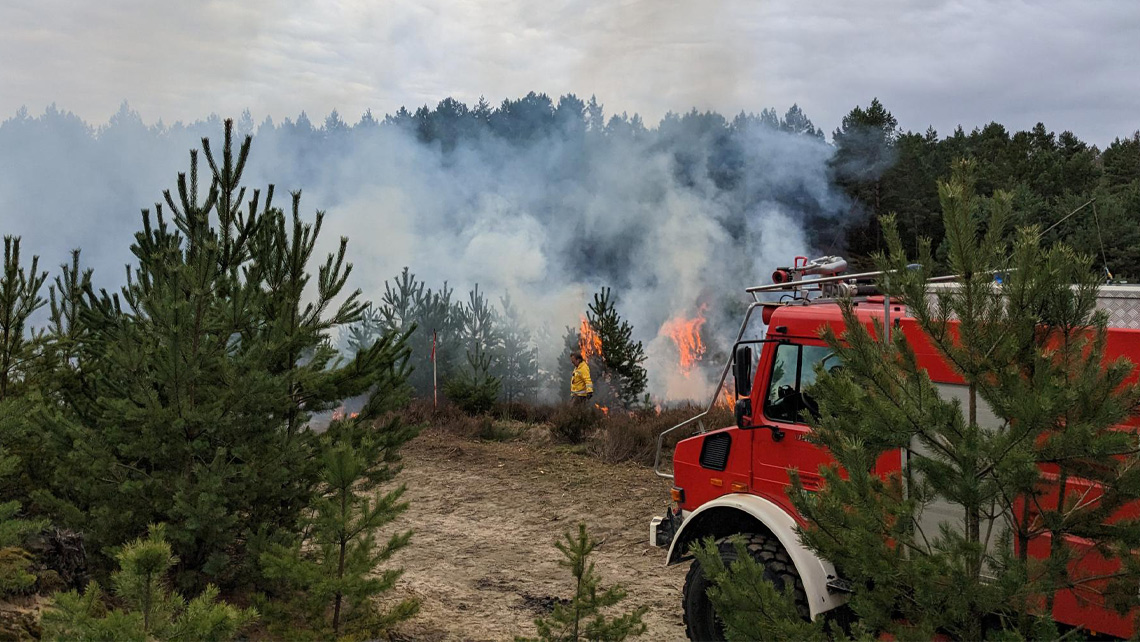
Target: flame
686, 334
605, 410
340, 414
726, 399
589, 343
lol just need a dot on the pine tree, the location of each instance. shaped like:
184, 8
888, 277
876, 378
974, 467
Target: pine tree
408, 305
865, 150
188, 393
16, 569
562, 370
518, 366
152, 611
19, 299
329, 576
401, 301
621, 356
475, 388
749, 605
582, 617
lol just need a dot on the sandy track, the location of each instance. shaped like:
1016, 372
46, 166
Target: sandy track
486, 515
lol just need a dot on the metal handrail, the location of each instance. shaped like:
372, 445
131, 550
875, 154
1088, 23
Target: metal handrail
712, 402
803, 283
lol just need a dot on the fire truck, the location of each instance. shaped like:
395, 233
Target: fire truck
733, 481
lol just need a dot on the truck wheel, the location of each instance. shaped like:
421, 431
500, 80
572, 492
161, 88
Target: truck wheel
701, 622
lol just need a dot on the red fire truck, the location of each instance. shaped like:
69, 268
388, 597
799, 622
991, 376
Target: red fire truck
733, 480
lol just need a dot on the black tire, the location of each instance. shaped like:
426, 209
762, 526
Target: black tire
701, 622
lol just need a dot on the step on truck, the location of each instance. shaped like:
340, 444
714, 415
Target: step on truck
733, 481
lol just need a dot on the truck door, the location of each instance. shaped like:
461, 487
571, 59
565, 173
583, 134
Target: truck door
785, 374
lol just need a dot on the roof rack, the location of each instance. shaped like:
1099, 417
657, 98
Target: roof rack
834, 285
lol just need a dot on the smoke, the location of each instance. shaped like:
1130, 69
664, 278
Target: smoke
672, 218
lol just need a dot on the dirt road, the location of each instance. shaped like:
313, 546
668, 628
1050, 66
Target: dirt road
486, 515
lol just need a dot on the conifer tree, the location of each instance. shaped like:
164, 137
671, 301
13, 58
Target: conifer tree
475, 387
151, 610
1007, 454
583, 617
189, 392
621, 356
747, 601
19, 350
16, 571
329, 575
562, 372
408, 303
19, 299
518, 366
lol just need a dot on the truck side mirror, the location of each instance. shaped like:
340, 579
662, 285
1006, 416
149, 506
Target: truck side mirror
742, 370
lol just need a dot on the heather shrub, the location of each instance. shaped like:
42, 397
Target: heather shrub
572, 423
632, 436
624, 437
525, 412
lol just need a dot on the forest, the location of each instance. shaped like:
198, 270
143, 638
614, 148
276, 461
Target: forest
163, 421
538, 203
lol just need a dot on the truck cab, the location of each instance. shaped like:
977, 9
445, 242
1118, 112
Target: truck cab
733, 480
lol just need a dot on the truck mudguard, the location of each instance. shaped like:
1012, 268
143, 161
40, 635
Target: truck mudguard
814, 572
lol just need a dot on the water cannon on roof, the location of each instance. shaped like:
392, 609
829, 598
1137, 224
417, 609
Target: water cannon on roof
801, 267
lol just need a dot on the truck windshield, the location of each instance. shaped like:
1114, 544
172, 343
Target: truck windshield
793, 373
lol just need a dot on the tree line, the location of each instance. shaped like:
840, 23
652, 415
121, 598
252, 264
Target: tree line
885, 170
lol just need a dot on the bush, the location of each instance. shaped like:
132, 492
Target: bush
632, 436
572, 423
152, 611
447, 416
495, 430
473, 395
625, 437
526, 412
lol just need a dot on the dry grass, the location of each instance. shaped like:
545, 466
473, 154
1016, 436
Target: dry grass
616, 437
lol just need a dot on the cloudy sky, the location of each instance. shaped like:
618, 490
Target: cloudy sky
1072, 65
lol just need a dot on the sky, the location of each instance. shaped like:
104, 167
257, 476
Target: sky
1071, 65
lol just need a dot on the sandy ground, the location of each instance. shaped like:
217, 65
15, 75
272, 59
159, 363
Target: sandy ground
486, 514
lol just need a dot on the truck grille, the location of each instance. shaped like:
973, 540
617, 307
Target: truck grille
714, 451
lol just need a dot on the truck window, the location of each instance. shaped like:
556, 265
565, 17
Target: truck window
793, 372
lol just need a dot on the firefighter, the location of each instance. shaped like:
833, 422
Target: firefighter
581, 385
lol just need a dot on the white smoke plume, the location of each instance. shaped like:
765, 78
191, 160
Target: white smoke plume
549, 219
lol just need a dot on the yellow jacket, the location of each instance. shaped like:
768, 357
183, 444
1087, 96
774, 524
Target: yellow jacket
581, 384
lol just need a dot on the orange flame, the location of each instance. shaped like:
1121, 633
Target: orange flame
726, 399
589, 343
686, 334
605, 410
340, 414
